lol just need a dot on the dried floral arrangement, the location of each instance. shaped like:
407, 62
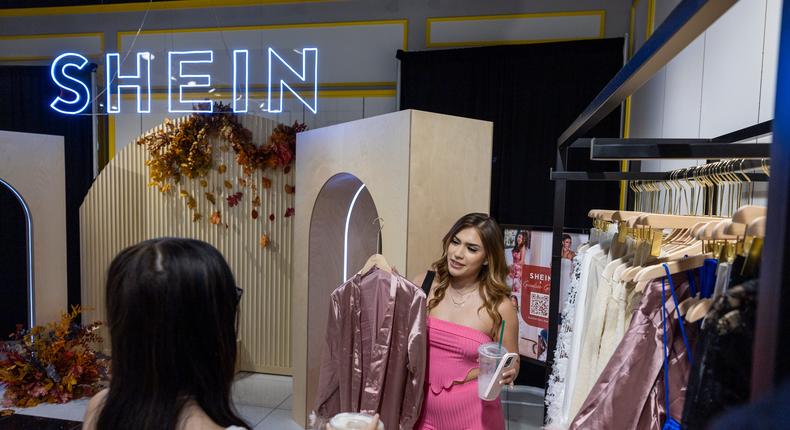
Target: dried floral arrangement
53, 363
185, 151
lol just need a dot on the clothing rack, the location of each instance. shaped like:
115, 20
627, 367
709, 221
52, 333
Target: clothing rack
715, 148
684, 24
773, 304
632, 176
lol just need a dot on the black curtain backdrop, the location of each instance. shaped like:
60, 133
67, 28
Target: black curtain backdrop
26, 92
531, 93
13, 263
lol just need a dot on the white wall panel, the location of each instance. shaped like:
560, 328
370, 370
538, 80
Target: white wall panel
647, 113
683, 92
49, 46
663, 9
332, 110
525, 28
640, 23
733, 63
375, 106
347, 52
773, 18
647, 107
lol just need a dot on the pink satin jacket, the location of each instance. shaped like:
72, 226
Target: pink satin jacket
375, 354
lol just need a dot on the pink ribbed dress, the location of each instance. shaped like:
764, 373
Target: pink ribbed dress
449, 404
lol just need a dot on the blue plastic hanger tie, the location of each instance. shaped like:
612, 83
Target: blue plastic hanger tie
670, 423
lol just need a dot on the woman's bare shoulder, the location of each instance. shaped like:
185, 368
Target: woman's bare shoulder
419, 279
194, 417
93, 409
506, 308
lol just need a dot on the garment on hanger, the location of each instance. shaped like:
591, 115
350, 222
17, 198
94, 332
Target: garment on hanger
630, 393
583, 297
375, 354
555, 393
593, 331
589, 325
613, 328
566, 272
721, 375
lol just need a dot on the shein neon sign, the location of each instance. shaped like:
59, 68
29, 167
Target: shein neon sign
75, 94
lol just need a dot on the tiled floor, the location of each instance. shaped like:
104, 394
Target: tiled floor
264, 402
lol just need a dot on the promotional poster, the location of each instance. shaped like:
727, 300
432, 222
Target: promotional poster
528, 256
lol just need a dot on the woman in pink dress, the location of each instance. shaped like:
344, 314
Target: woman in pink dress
467, 302
518, 252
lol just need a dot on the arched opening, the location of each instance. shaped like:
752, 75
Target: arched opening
345, 230
16, 254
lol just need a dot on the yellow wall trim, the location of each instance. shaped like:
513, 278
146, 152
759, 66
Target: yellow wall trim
111, 137
651, 18
143, 6
624, 163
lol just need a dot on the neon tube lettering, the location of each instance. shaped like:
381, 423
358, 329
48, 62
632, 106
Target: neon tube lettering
243, 56
308, 74
117, 81
302, 83
59, 73
196, 81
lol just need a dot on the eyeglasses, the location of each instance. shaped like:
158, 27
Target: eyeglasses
239, 292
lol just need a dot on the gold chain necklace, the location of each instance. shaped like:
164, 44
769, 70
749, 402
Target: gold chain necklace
463, 296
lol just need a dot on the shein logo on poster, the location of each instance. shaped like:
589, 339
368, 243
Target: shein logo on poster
75, 94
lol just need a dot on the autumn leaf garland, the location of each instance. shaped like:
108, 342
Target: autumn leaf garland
185, 151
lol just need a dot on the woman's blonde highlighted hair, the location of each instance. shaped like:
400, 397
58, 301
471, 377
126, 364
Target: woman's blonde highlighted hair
492, 275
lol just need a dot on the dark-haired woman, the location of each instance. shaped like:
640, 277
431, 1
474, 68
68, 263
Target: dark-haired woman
468, 301
172, 307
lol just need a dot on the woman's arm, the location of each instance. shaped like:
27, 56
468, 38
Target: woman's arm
510, 339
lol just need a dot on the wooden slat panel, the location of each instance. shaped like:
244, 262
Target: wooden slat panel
120, 210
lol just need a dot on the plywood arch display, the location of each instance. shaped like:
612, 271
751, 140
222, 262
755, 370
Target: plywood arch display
121, 210
422, 171
17, 292
33, 166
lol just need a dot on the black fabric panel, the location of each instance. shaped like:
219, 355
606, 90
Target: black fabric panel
26, 92
13, 263
531, 93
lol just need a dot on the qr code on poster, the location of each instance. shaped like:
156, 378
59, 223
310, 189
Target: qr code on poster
539, 304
